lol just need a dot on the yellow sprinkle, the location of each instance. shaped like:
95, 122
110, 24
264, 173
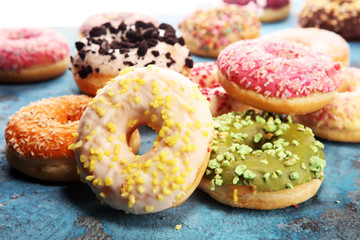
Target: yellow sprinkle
107, 153
163, 155
137, 100
108, 181
164, 183
136, 88
103, 195
92, 150
156, 143
174, 186
189, 125
110, 138
111, 126
115, 158
148, 163
131, 201
140, 189
78, 170
179, 180
235, 197
123, 161
132, 123
205, 133
160, 166
125, 195
122, 137
198, 124
100, 156
154, 118
88, 138
160, 197
155, 181
155, 174
71, 146
149, 208
82, 158
147, 112
89, 178
174, 170
75, 135
166, 191
179, 125
126, 70
169, 123
184, 174
171, 162
189, 169
176, 154
111, 165
186, 139
78, 144
139, 180
191, 109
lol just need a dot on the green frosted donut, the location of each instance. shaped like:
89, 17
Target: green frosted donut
266, 152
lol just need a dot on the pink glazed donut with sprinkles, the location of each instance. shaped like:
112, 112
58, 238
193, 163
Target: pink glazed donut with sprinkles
340, 119
282, 77
32, 54
205, 74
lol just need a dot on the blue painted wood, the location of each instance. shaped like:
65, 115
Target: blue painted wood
32, 209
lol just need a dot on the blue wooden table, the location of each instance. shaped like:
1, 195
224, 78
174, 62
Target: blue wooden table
32, 209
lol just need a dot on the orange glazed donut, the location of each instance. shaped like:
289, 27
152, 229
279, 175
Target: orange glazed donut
340, 119
168, 173
207, 32
32, 55
115, 18
205, 74
320, 40
282, 77
37, 137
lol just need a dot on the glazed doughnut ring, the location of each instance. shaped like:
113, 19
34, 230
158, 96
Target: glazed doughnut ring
339, 120
205, 74
282, 77
31, 55
263, 162
167, 174
38, 135
320, 40
107, 50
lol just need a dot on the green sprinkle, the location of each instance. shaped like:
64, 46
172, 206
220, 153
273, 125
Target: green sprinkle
281, 155
220, 157
277, 120
309, 130
227, 155
264, 161
278, 172
294, 175
208, 172
270, 127
214, 149
314, 149
266, 176
290, 162
213, 163
239, 170
303, 166
274, 175
232, 149
259, 119
237, 125
284, 126
289, 185
294, 142
236, 180
319, 144
278, 132
289, 119
225, 163
270, 152
244, 149
267, 146
248, 174
258, 137
317, 164
212, 185
218, 171
258, 152
218, 180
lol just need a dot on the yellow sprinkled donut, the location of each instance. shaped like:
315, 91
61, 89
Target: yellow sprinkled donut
167, 174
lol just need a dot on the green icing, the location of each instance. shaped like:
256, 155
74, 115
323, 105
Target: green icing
267, 152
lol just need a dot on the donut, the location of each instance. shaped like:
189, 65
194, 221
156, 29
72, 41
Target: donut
169, 172
32, 54
115, 18
275, 76
38, 135
263, 161
272, 10
320, 40
205, 74
207, 32
107, 50
338, 120
341, 17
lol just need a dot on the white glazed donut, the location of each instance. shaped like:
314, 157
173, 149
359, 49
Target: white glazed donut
205, 74
167, 174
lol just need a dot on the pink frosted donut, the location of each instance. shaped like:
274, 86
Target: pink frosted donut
115, 18
340, 119
32, 54
283, 77
205, 74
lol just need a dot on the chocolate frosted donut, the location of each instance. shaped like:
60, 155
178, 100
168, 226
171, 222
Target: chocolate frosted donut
263, 161
340, 16
107, 50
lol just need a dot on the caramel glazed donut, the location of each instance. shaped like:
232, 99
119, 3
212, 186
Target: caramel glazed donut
38, 135
107, 50
339, 120
263, 161
339, 16
168, 173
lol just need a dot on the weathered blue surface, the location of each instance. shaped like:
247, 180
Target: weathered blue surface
32, 209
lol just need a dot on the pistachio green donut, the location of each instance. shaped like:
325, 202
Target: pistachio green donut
262, 154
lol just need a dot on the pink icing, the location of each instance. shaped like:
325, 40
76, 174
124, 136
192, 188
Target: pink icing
279, 69
25, 47
274, 4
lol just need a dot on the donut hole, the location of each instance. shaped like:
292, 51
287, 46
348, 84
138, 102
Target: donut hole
148, 136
